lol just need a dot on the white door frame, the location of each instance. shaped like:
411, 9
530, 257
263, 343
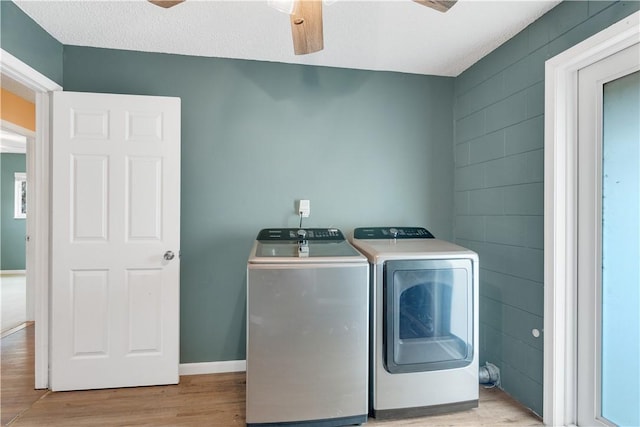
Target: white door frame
38, 223
560, 213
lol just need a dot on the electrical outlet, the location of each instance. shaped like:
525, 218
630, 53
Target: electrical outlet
304, 208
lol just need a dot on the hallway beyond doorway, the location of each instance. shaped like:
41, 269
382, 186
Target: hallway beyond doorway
13, 293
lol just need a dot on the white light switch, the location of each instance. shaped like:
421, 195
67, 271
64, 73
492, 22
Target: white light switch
304, 208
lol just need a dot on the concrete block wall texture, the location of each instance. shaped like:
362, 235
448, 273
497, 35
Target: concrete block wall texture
499, 189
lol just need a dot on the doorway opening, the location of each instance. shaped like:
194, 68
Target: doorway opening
17, 135
37, 257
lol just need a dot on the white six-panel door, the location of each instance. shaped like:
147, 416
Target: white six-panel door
115, 227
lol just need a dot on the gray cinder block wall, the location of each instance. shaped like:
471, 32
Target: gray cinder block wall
499, 189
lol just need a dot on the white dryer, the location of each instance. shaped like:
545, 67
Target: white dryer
307, 329
424, 322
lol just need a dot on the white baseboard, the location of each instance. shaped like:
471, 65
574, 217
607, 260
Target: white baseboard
9, 272
212, 367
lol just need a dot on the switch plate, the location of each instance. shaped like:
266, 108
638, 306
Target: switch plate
304, 208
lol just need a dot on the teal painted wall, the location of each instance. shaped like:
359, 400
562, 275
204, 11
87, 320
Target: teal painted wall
499, 126
27, 41
12, 231
365, 147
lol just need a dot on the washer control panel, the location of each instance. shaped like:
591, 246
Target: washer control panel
392, 233
297, 234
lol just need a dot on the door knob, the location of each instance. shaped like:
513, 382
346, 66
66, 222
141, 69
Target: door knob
169, 255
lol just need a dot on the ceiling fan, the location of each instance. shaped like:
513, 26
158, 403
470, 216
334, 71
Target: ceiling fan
306, 20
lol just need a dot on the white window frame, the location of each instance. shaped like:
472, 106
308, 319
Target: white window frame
20, 179
560, 213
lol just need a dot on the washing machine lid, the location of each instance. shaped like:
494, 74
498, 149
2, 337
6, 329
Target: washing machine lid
311, 245
411, 246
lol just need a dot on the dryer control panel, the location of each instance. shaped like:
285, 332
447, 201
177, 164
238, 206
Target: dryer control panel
297, 234
392, 233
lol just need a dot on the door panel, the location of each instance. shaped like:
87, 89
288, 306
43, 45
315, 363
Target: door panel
145, 311
144, 194
116, 211
89, 198
89, 290
89, 124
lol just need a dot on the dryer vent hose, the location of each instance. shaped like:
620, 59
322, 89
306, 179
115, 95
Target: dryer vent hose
489, 374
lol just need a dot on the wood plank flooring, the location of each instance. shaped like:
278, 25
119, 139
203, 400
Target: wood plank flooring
17, 374
199, 400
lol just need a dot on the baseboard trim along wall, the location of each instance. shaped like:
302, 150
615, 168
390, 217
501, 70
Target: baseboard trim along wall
213, 367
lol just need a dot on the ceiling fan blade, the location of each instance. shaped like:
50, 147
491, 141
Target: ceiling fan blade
306, 27
166, 3
439, 5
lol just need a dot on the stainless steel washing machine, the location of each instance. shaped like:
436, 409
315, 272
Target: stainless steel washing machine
307, 329
424, 322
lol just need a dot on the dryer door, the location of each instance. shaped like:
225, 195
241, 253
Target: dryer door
428, 315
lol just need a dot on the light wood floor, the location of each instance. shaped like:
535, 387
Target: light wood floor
13, 296
199, 400
16, 374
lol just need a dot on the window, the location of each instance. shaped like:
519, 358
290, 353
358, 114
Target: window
20, 195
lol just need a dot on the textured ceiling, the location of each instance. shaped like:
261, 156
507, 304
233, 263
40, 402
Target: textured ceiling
394, 35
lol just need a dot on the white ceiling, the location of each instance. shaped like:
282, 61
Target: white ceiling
390, 35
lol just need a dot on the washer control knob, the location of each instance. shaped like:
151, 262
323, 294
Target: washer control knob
302, 233
394, 232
